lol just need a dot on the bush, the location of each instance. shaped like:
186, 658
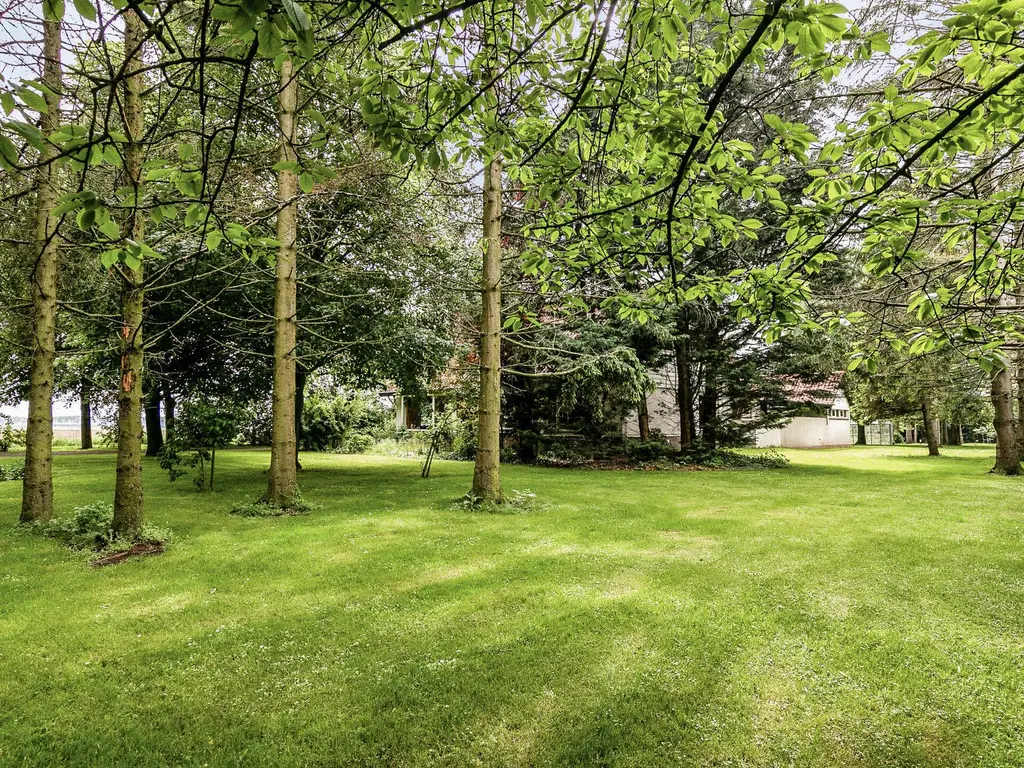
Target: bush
9, 436
349, 423
200, 428
256, 425
648, 450
91, 527
14, 471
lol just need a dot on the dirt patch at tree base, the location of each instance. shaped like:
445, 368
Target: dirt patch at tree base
142, 549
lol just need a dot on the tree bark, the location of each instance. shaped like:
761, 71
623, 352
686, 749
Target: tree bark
862, 435
85, 396
644, 419
487, 470
128, 499
931, 427
154, 433
37, 488
283, 486
1007, 455
684, 393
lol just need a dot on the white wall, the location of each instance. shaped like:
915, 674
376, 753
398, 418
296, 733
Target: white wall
807, 432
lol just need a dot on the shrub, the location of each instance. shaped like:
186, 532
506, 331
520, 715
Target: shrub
9, 436
200, 428
347, 422
91, 527
256, 425
13, 471
648, 450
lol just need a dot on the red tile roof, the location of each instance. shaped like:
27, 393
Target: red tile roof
801, 390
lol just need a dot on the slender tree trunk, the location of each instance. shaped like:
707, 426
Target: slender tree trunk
644, 418
169, 403
487, 470
862, 435
300, 405
37, 489
931, 427
85, 396
1007, 456
154, 433
1019, 376
283, 481
128, 509
684, 393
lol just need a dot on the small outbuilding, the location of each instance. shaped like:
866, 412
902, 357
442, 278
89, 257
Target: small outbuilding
822, 418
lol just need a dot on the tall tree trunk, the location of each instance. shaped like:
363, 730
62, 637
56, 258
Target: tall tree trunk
644, 419
1007, 456
154, 433
85, 402
862, 435
931, 426
684, 393
128, 509
487, 470
283, 486
37, 488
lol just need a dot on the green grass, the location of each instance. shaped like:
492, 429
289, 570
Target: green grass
861, 608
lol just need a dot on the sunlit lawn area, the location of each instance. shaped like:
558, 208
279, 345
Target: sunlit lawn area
864, 607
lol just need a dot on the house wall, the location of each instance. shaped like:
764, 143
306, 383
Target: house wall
661, 405
811, 431
800, 432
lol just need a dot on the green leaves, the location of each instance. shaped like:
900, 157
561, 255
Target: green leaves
299, 22
86, 9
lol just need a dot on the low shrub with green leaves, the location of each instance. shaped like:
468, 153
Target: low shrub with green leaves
91, 527
9, 436
345, 422
200, 428
12, 471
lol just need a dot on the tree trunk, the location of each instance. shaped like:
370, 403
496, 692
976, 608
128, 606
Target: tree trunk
37, 488
300, 405
85, 396
154, 433
169, 403
487, 470
1020, 397
1007, 456
931, 427
684, 393
644, 418
862, 435
283, 480
128, 509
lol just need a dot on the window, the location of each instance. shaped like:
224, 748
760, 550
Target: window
839, 413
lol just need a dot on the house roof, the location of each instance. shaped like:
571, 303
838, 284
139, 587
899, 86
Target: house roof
802, 390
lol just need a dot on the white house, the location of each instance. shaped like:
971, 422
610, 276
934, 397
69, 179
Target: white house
822, 422
823, 419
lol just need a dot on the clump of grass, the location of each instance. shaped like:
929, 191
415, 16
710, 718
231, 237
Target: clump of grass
513, 501
91, 527
263, 508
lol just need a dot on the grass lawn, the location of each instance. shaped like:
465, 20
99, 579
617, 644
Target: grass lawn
864, 607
